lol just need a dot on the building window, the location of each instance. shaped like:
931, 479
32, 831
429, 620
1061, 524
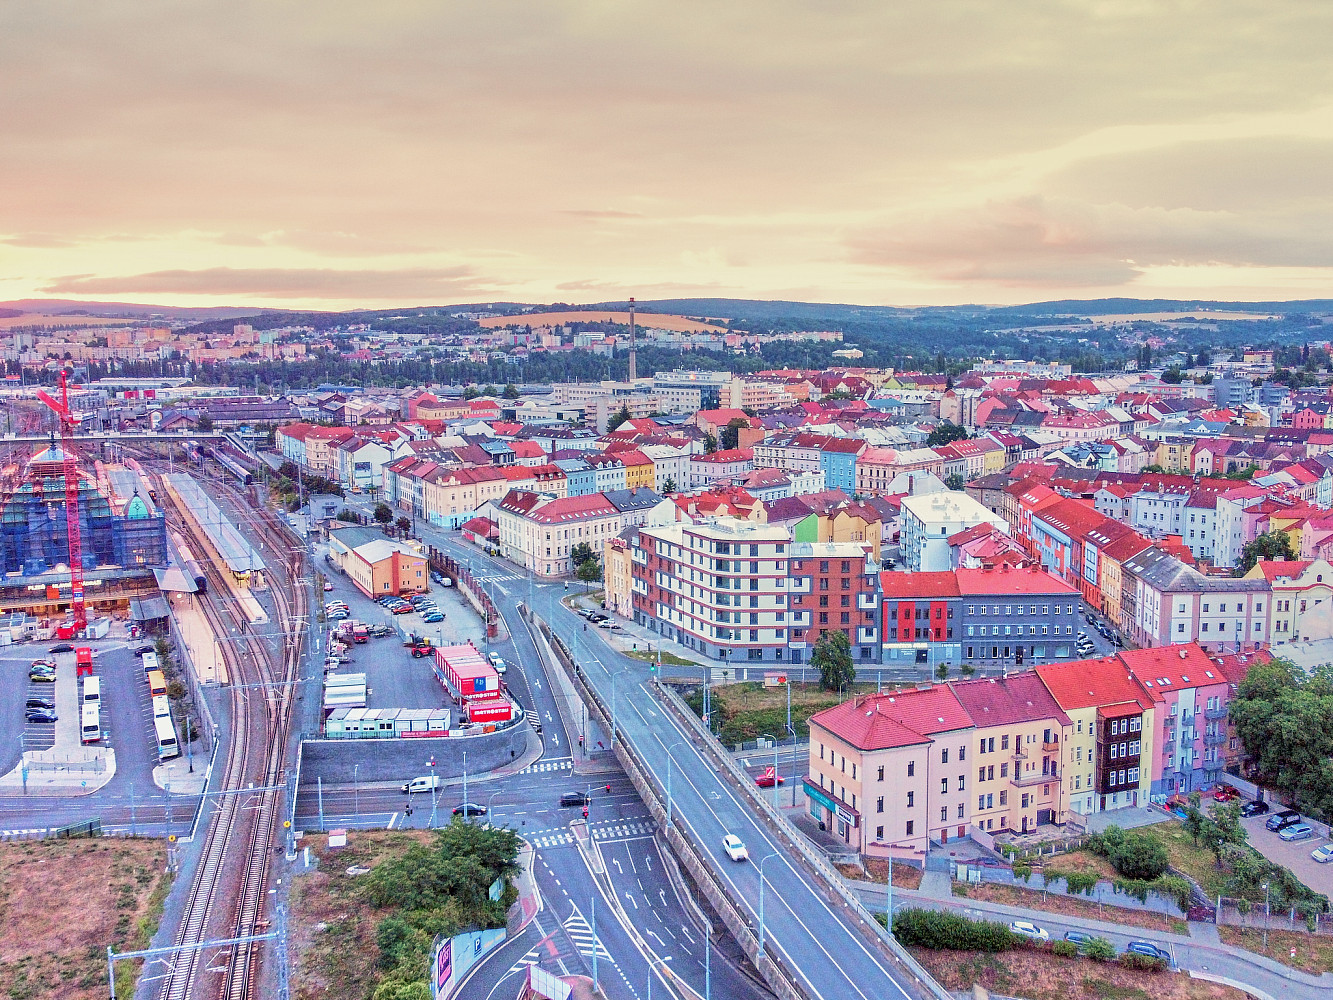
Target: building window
911, 826
944, 786
911, 768
879, 804
911, 799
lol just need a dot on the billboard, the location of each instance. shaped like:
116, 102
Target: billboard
772, 680
444, 967
456, 956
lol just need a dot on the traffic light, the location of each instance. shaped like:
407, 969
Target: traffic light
585, 812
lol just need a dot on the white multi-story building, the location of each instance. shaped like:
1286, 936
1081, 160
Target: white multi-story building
719, 587
538, 531
929, 519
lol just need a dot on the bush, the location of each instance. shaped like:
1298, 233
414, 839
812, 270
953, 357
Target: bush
1023, 870
1084, 883
1145, 963
1099, 950
932, 929
1065, 949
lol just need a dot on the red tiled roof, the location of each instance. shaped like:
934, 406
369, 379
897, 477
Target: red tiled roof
901, 586
1170, 668
1085, 683
1274, 569
1001, 701
1004, 580
880, 721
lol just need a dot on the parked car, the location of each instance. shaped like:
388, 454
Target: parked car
1285, 818
424, 784
768, 779
1323, 854
1149, 949
41, 715
1028, 929
337, 616
1297, 831
401, 609
42, 676
444, 581
1079, 938
141, 650
1225, 793
432, 617
37, 701
1255, 808
735, 848
327, 586
61, 647
469, 809
574, 799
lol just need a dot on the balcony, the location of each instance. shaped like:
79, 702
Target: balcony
1214, 714
1186, 719
1050, 746
1169, 747
866, 602
1036, 778
1214, 739
1020, 753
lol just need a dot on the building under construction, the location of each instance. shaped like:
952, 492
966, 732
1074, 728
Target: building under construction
122, 537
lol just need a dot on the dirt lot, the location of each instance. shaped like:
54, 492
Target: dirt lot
749, 710
1042, 976
333, 934
63, 901
1070, 906
1314, 953
876, 870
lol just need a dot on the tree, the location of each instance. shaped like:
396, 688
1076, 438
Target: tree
204, 423
710, 443
1135, 854
832, 657
1205, 358
1269, 545
946, 433
511, 391
954, 481
489, 390
471, 392
618, 418
589, 571
731, 434
1173, 375
581, 553
1223, 828
403, 525
382, 514
669, 485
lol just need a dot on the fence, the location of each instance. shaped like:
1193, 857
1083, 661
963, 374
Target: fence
1242, 913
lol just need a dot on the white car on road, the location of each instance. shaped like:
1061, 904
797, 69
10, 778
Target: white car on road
1029, 930
735, 848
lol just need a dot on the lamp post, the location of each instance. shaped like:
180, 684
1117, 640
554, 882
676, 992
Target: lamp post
1266, 916
356, 792
433, 797
773, 739
670, 760
763, 862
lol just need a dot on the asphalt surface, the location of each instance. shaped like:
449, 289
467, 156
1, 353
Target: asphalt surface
1294, 854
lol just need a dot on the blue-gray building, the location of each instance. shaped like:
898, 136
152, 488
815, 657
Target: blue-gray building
580, 477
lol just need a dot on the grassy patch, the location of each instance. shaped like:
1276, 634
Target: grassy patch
876, 870
746, 711
1083, 861
1041, 975
668, 658
1314, 953
1196, 862
1011, 895
62, 902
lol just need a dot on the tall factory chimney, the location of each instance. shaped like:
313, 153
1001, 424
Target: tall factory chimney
633, 357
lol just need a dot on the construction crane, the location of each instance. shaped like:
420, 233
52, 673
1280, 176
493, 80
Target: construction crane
67, 424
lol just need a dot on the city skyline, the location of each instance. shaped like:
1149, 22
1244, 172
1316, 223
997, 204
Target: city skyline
585, 152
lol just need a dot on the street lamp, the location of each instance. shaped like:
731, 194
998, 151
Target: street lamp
356, 792
1266, 912
772, 739
763, 862
670, 760
433, 797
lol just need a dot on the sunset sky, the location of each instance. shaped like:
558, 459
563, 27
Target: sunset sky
335, 155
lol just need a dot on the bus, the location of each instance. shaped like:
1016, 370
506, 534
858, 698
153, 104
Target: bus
92, 690
91, 728
161, 706
157, 684
167, 744
83, 661
150, 662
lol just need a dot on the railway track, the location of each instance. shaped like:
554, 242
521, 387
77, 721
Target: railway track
234, 860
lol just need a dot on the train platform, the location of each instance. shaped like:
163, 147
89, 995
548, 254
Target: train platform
201, 645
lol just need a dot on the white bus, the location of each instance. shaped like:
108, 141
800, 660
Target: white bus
161, 707
150, 662
167, 744
91, 729
92, 690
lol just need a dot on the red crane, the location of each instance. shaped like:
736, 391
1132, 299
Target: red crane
67, 424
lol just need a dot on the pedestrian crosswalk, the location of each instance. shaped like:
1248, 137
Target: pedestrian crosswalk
551, 838
584, 940
500, 578
557, 764
620, 831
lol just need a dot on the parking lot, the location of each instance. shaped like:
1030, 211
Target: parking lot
394, 678
1293, 854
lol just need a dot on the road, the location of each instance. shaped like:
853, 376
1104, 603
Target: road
831, 957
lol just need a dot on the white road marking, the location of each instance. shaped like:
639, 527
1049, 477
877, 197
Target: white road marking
632, 900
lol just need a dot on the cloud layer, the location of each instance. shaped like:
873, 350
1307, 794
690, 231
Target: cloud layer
956, 151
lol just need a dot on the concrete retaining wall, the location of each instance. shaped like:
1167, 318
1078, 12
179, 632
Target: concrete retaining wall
400, 760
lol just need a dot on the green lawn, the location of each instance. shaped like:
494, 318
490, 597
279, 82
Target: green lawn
668, 658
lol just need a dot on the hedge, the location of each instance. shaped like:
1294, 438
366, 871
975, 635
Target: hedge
933, 929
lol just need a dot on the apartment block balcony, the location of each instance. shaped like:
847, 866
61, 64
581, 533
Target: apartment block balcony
1020, 753
866, 601
1036, 777
1168, 748
1214, 739
1050, 746
1186, 719
1213, 714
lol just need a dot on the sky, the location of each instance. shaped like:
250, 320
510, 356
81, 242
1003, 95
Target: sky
336, 155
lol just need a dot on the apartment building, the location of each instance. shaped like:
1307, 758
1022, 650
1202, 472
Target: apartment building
719, 587
538, 531
1301, 602
1112, 735
713, 466
1166, 602
1019, 736
929, 519
890, 774
832, 588
1015, 616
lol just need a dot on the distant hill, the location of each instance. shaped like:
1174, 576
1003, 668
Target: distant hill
56, 307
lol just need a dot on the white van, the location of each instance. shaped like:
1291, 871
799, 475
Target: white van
92, 690
424, 784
